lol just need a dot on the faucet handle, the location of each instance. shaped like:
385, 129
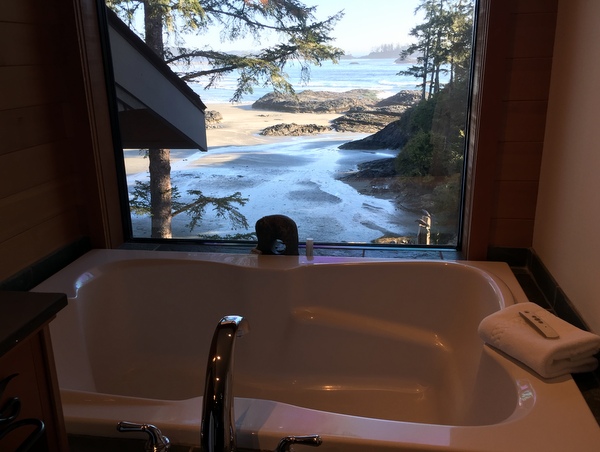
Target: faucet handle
157, 442
309, 440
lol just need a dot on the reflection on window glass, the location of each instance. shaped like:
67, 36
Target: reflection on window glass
349, 119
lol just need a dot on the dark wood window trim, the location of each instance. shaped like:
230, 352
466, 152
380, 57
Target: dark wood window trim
490, 74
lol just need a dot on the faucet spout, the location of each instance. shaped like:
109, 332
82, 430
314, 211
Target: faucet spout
218, 420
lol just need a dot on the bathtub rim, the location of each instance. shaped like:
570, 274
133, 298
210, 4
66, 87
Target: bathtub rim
96, 258
513, 434
542, 416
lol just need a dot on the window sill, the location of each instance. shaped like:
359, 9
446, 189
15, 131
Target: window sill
319, 250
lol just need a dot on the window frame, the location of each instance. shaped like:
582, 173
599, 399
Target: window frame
480, 161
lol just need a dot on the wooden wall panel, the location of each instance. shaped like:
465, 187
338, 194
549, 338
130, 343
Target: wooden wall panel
529, 78
516, 232
27, 52
534, 34
524, 121
31, 86
515, 199
37, 242
27, 11
534, 6
521, 134
53, 112
519, 161
45, 201
22, 128
41, 200
56, 157
47, 167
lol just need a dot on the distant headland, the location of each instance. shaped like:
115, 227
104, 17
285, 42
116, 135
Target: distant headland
384, 51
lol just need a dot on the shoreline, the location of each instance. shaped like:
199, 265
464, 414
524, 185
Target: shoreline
241, 126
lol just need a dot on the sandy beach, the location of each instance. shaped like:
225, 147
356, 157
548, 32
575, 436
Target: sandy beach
241, 126
296, 176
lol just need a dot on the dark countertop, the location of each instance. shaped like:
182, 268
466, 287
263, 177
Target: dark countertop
22, 313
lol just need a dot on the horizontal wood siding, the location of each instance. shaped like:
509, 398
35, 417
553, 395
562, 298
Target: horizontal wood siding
58, 180
530, 42
40, 200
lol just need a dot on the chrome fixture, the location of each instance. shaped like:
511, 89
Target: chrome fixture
157, 442
286, 443
277, 234
218, 420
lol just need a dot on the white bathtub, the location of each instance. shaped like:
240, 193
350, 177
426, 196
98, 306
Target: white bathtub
370, 354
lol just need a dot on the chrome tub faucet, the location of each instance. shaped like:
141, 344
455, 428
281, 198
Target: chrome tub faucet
285, 445
157, 442
218, 420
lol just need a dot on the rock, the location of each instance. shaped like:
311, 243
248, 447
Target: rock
359, 122
392, 136
364, 113
404, 97
317, 101
372, 119
372, 170
294, 129
213, 119
367, 120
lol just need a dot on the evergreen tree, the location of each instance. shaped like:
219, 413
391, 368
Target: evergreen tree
460, 39
301, 38
443, 43
436, 127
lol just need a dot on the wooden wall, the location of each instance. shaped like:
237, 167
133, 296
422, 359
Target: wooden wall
530, 39
509, 115
57, 170
49, 184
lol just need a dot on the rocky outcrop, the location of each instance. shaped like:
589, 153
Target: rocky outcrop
367, 120
294, 130
372, 170
212, 119
392, 136
363, 111
371, 119
317, 101
405, 98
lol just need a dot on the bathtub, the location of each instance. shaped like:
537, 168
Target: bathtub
371, 354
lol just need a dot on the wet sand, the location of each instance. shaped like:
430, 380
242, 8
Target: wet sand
241, 126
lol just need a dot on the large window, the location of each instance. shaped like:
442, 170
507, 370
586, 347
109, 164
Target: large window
351, 121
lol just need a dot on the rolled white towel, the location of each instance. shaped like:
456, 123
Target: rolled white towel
573, 351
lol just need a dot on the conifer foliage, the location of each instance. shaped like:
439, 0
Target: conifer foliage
443, 44
293, 34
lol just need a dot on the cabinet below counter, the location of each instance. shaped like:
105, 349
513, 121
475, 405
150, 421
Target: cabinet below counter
29, 393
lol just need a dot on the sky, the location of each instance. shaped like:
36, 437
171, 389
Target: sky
366, 25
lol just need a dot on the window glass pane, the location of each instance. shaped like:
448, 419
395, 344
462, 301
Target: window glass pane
367, 149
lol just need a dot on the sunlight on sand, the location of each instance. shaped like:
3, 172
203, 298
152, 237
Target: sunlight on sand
296, 176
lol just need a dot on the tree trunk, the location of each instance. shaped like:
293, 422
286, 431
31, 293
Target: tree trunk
153, 27
160, 192
425, 71
160, 159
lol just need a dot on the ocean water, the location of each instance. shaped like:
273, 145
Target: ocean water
358, 73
